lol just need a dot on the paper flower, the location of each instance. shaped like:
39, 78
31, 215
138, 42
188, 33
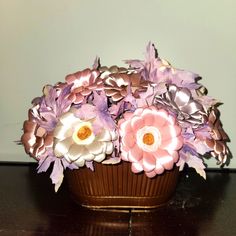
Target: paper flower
116, 86
180, 101
84, 82
76, 141
106, 71
119, 82
150, 140
35, 139
218, 137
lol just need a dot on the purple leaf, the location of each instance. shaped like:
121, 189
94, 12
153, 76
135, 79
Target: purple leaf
57, 174
203, 132
97, 126
117, 109
201, 147
44, 163
150, 55
50, 97
72, 166
182, 161
130, 98
63, 104
106, 120
207, 101
146, 98
184, 77
86, 112
197, 164
96, 63
68, 165
100, 101
189, 148
151, 52
89, 164
192, 161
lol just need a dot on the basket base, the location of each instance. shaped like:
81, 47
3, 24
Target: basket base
116, 187
121, 203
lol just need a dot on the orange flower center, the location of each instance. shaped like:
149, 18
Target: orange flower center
84, 132
148, 139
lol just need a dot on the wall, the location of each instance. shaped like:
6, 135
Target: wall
42, 41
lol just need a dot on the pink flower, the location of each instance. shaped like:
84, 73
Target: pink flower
84, 82
150, 139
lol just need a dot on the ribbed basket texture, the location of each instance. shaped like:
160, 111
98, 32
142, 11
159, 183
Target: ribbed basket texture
115, 186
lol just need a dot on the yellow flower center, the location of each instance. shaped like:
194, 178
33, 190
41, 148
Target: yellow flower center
84, 132
148, 139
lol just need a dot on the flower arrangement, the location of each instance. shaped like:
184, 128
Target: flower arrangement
150, 114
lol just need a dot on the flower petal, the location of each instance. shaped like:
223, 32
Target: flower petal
124, 128
174, 154
62, 147
87, 156
62, 131
161, 118
28, 139
29, 126
159, 169
136, 167
129, 140
105, 135
169, 131
96, 147
172, 144
79, 98
182, 97
137, 123
75, 152
80, 162
127, 115
138, 111
48, 141
100, 157
149, 162
109, 148
69, 118
124, 153
135, 154
164, 159
148, 117
151, 174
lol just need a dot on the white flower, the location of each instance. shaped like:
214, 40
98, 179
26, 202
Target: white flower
75, 140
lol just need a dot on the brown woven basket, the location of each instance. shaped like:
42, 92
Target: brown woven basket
115, 186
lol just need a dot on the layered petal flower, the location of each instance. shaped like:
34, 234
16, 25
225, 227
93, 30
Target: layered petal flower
84, 82
180, 101
150, 139
218, 139
76, 140
36, 139
119, 82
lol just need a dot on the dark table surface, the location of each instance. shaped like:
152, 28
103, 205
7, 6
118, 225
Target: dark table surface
29, 206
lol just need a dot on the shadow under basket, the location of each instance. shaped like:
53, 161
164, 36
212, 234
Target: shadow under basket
115, 186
